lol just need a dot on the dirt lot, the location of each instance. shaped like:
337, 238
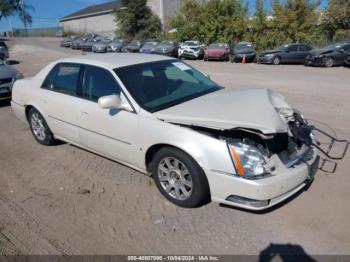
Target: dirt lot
62, 199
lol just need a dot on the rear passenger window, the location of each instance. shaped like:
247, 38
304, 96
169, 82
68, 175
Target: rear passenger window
304, 48
50, 79
97, 83
67, 79
293, 48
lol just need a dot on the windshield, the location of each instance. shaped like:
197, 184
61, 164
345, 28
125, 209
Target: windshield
334, 47
159, 85
166, 44
150, 45
217, 46
282, 48
244, 46
135, 43
191, 43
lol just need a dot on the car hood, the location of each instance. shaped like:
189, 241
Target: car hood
258, 109
321, 51
270, 52
7, 72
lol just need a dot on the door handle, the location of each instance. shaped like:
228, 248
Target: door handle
85, 114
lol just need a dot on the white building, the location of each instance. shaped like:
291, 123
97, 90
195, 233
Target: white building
99, 19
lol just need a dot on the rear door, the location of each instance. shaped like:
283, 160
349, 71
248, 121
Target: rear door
59, 100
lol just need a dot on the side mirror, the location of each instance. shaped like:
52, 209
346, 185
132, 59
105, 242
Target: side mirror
341, 50
115, 102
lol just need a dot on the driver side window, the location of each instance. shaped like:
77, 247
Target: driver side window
97, 83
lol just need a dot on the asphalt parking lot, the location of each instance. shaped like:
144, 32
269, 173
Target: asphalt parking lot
64, 200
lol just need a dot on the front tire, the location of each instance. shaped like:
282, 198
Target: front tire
179, 178
328, 62
276, 60
40, 129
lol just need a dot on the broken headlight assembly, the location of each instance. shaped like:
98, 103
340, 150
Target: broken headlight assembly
248, 160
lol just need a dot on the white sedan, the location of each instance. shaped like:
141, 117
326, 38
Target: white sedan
158, 115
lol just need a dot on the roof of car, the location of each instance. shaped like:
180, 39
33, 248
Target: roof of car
116, 60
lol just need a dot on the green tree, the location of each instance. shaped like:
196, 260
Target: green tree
135, 19
295, 20
259, 27
15, 7
213, 20
336, 19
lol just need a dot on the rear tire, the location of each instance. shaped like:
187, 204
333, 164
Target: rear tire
40, 129
179, 178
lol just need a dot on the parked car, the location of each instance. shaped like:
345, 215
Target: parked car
101, 47
333, 55
87, 46
8, 75
285, 54
117, 45
191, 50
76, 44
177, 125
243, 50
167, 48
217, 51
133, 47
347, 60
149, 47
4, 51
67, 42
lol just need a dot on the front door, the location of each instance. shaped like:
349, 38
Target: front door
109, 132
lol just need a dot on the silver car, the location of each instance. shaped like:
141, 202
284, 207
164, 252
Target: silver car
101, 47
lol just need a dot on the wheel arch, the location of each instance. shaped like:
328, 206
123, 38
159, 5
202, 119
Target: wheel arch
152, 150
29, 106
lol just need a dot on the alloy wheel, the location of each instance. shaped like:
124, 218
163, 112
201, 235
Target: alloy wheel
175, 178
37, 123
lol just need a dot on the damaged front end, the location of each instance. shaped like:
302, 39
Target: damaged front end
256, 155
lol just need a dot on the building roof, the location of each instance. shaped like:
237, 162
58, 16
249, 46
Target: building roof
115, 60
93, 10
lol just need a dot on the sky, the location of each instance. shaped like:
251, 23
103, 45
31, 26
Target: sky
47, 12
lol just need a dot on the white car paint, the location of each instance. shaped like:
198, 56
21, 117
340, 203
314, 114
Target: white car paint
127, 136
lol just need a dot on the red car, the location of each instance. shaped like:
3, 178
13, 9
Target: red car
217, 51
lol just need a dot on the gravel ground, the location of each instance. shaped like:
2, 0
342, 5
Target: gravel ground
64, 200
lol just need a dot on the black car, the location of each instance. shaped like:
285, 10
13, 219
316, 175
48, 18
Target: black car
285, 54
329, 56
347, 60
168, 48
4, 51
241, 50
133, 47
